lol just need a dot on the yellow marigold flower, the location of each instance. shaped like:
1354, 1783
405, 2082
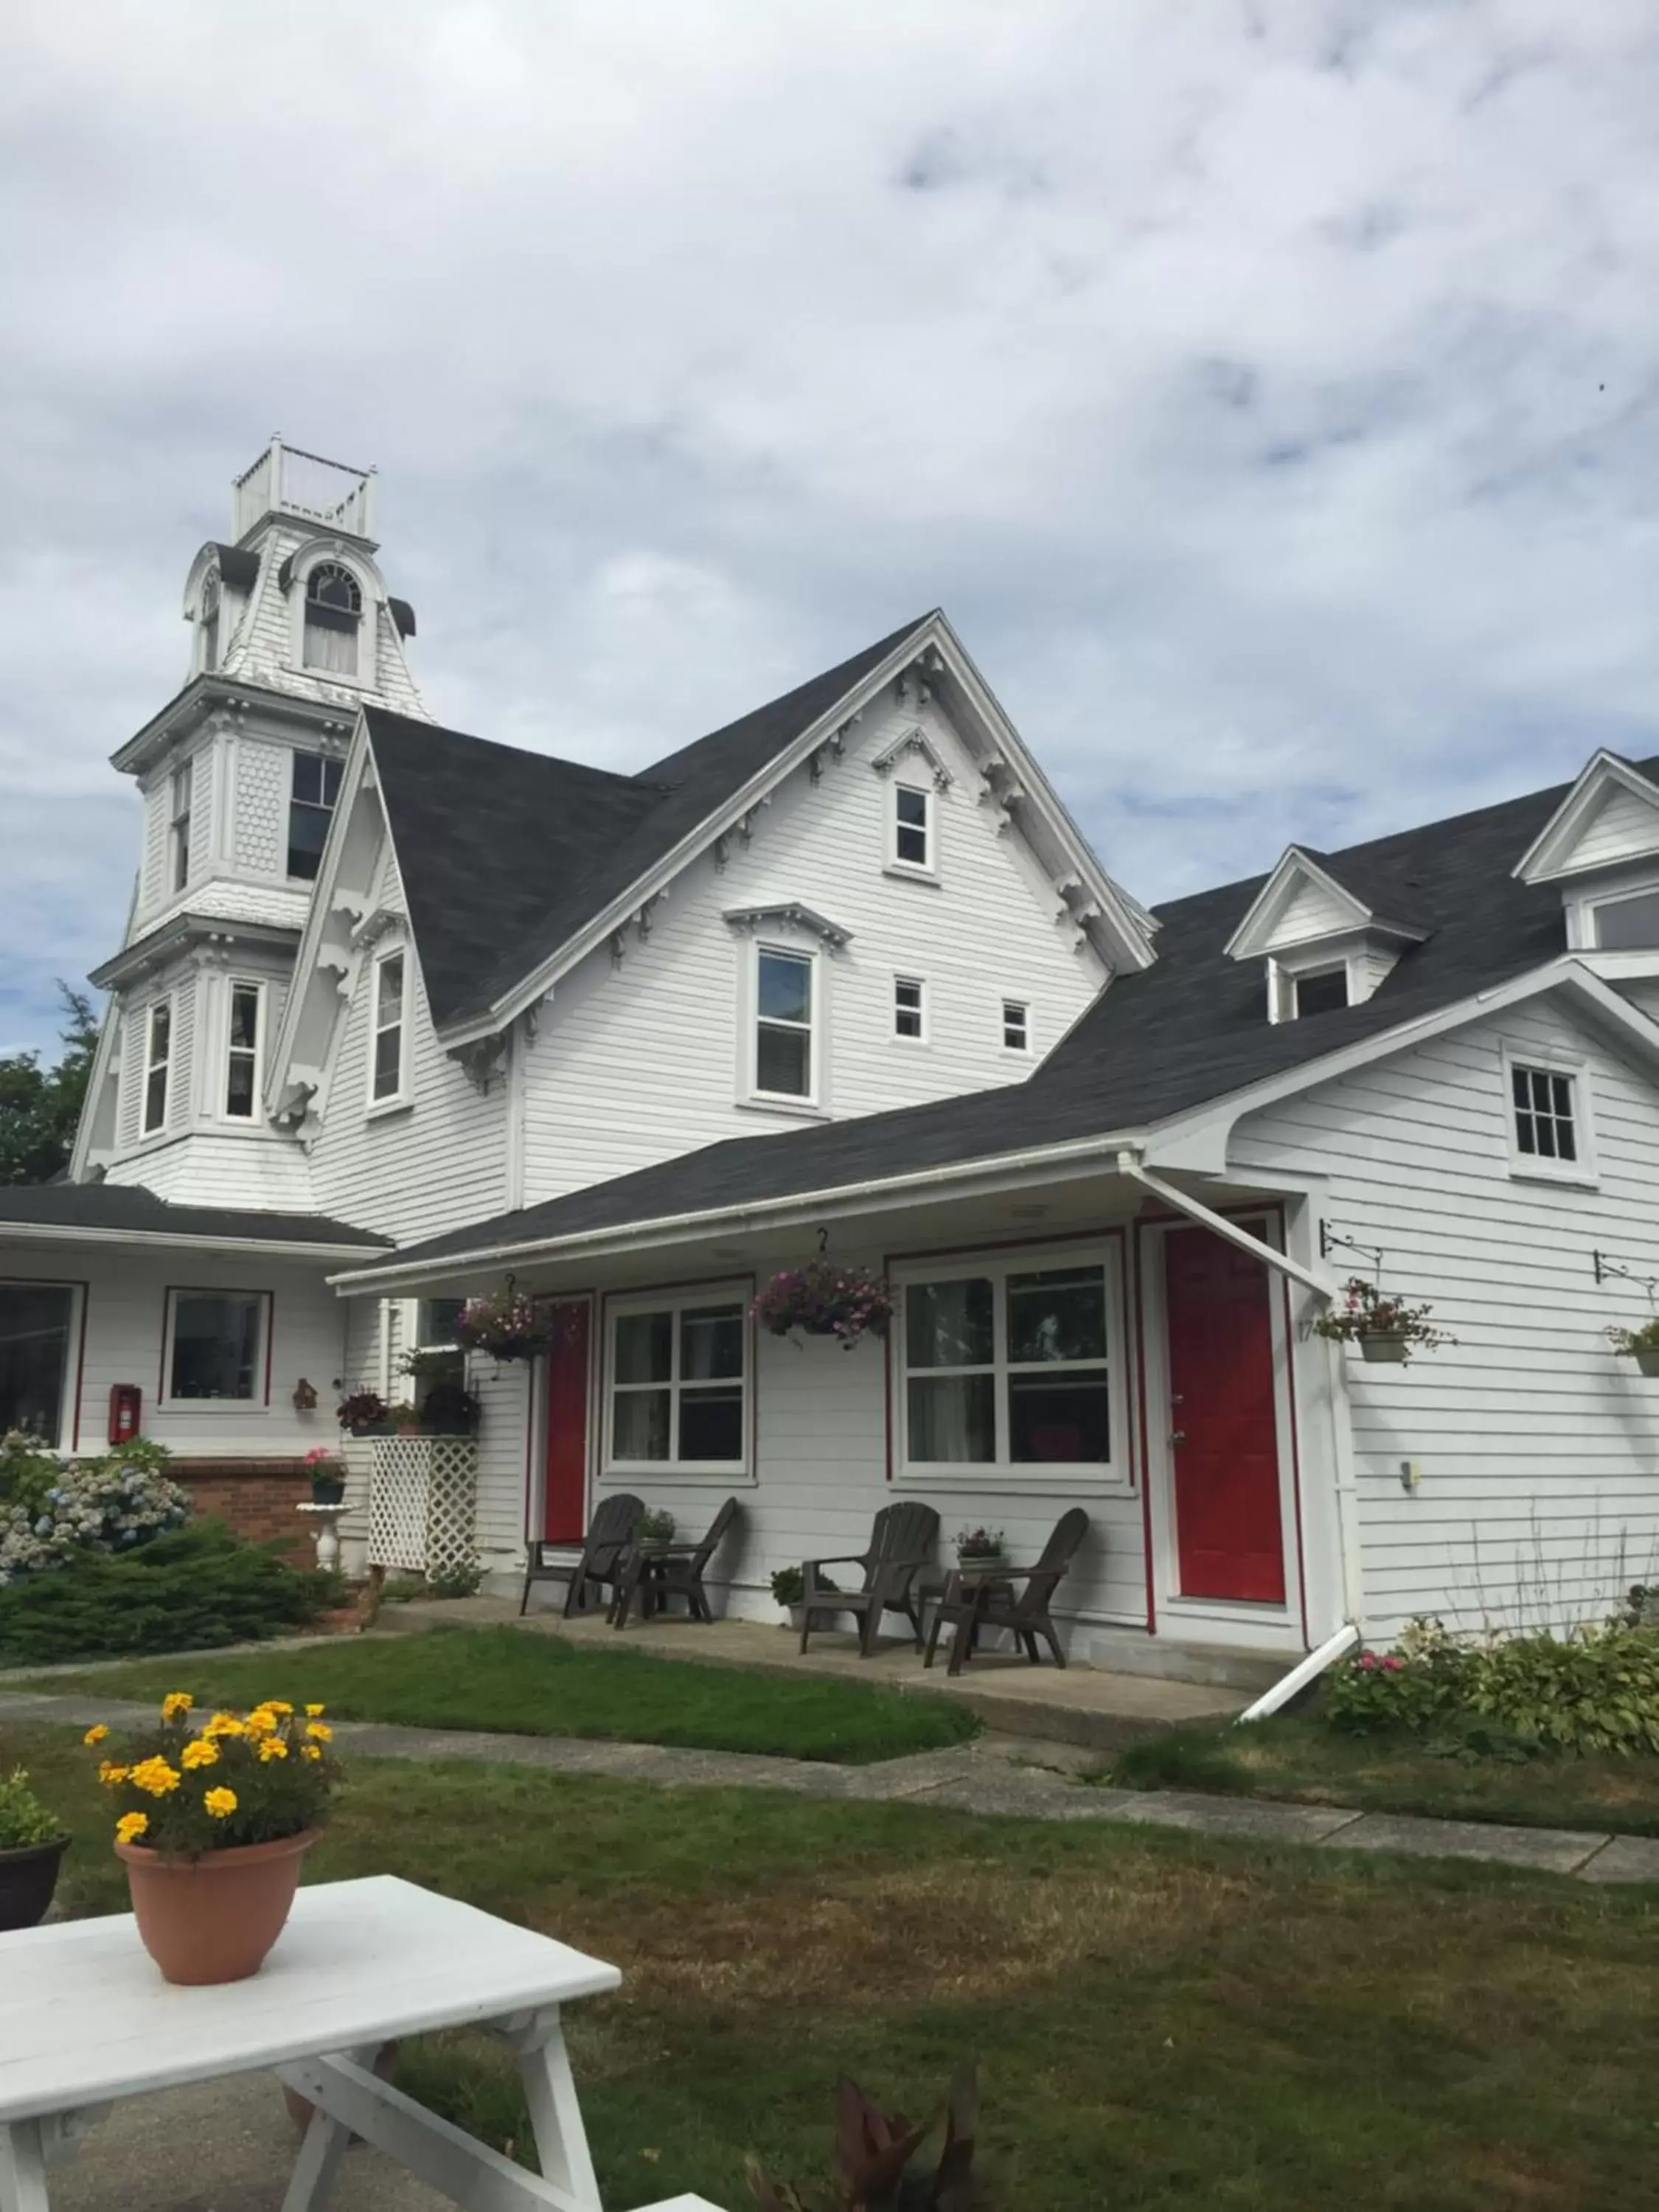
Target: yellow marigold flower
260, 1722
154, 1776
319, 1732
221, 1803
272, 1747
199, 1753
225, 1724
95, 1735
176, 1702
310, 1751
109, 1773
130, 1826
276, 1706
315, 1712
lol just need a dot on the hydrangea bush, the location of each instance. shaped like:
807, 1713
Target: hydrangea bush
823, 1299
54, 1510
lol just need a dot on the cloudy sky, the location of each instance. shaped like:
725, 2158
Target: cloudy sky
1266, 388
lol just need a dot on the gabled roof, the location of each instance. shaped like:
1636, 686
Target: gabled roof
1610, 816
1158, 1043
1306, 881
130, 1211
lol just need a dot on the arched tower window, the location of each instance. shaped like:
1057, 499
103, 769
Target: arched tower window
210, 620
334, 608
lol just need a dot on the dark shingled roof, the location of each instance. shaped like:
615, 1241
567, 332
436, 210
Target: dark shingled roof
1191, 1028
131, 1207
506, 855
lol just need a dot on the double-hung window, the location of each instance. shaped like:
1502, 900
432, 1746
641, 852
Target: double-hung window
913, 827
1016, 1026
311, 805
909, 1007
179, 793
216, 1344
37, 1331
784, 1054
1012, 1365
158, 1066
243, 1041
678, 1384
333, 615
387, 1028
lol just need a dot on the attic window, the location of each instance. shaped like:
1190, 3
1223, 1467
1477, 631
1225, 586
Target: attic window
1628, 925
210, 621
334, 607
1324, 992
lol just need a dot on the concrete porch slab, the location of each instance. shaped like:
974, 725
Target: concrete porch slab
1086, 1706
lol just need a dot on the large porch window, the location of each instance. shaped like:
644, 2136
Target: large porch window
37, 1322
216, 1347
1010, 1366
677, 1385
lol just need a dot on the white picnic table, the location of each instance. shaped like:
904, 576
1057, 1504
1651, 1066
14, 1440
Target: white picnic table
85, 2019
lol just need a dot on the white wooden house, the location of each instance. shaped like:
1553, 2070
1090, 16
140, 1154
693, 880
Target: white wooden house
843, 973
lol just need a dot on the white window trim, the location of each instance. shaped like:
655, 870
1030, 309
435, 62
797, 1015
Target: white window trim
1584, 1173
924, 1032
260, 1401
395, 949
296, 754
176, 883
1588, 911
1116, 1475
366, 677
147, 1065
802, 1101
232, 984
925, 872
675, 1301
1020, 1051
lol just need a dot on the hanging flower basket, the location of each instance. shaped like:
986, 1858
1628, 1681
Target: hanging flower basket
1641, 1345
505, 1325
823, 1299
1387, 1330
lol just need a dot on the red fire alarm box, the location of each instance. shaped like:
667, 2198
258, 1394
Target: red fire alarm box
126, 1407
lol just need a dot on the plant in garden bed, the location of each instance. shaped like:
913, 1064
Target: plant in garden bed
235, 1803
823, 1299
876, 2157
114, 1502
32, 1840
328, 1476
1385, 1329
1641, 1345
508, 1325
980, 1546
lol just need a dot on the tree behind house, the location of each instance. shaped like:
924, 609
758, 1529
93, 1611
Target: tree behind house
40, 1107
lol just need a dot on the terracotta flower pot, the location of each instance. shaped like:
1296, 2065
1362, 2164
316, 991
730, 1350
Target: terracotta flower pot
28, 1876
213, 1919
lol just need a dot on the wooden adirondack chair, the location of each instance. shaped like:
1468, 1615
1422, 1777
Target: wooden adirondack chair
973, 1604
609, 1535
653, 1577
901, 1542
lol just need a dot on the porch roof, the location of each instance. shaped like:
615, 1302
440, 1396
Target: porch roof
114, 1212
1190, 1030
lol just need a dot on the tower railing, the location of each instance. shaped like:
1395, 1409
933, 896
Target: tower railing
286, 480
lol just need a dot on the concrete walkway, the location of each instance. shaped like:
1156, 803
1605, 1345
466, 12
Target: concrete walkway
996, 1774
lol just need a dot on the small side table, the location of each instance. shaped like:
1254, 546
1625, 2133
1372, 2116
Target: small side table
325, 1521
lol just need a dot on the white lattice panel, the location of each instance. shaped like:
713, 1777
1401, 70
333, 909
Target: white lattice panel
420, 1496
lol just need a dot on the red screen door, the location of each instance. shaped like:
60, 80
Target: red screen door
1223, 1427
565, 1510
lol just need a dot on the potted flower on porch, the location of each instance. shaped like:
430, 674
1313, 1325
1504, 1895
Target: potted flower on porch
328, 1476
980, 1548
505, 1325
33, 1841
363, 1414
789, 1591
1386, 1329
1641, 1345
823, 1299
212, 1824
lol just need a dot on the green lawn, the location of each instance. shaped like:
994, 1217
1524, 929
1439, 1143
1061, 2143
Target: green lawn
513, 1679
1164, 2023
1299, 1757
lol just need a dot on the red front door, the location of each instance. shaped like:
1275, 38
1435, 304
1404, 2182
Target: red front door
565, 1506
1223, 1427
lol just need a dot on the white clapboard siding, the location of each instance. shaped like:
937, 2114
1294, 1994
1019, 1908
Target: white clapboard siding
1622, 827
1314, 912
638, 1061
1538, 1447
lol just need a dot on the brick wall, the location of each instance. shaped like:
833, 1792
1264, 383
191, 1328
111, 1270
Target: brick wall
254, 1497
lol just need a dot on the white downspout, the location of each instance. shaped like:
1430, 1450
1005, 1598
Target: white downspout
1347, 1519
1300, 1675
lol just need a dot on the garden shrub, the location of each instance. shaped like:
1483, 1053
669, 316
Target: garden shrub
53, 1511
1595, 1691
189, 1589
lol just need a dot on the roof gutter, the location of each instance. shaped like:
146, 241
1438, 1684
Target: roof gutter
957, 1179
57, 1233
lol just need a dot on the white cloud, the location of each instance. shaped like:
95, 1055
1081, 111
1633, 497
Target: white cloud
1264, 389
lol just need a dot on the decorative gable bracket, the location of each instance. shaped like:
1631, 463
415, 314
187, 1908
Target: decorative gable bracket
919, 681
1000, 789
791, 914
483, 1060
914, 741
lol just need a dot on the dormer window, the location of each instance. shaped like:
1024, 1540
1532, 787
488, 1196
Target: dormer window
210, 620
1323, 991
1629, 924
333, 615
1324, 945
